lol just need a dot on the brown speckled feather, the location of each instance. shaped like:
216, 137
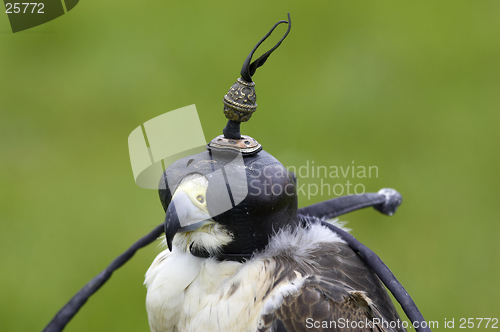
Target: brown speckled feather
337, 287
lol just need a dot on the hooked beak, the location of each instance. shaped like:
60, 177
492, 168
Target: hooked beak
184, 215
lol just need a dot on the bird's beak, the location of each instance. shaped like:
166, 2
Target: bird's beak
185, 213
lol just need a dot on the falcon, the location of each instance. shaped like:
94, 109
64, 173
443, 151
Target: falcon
240, 255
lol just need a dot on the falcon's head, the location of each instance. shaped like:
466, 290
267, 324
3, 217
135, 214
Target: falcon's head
227, 202
226, 206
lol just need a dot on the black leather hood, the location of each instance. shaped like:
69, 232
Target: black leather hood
252, 196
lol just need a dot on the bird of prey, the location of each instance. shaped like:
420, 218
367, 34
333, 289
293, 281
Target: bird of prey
241, 257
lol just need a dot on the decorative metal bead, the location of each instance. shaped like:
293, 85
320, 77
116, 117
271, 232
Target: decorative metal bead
240, 101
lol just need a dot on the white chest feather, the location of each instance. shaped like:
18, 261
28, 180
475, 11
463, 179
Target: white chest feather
186, 293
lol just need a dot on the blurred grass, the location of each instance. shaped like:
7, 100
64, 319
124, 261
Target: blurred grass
411, 87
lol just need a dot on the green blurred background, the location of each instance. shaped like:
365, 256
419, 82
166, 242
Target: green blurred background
412, 87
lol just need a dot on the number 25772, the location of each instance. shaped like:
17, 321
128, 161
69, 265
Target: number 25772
16, 8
